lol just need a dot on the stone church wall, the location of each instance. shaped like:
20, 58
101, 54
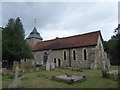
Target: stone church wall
80, 62
58, 54
100, 56
32, 41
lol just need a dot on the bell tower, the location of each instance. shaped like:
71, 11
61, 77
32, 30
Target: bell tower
34, 37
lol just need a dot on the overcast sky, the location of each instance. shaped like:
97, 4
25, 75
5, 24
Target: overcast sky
64, 19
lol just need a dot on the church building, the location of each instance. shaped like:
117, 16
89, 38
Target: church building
79, 51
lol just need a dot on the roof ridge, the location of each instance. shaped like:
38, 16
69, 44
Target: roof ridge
71, 36
81, 34
85, 39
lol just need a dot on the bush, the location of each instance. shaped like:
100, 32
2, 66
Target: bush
112, 76
104, 73
5, 77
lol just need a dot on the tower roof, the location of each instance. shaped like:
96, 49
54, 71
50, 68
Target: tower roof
35, 34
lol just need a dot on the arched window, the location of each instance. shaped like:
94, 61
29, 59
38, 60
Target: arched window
54, 60
25, 60
45, 57
74, 55
85, 54
65, 55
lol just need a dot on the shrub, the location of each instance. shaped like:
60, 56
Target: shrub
5, 77
25, 78
104, 73
112, 76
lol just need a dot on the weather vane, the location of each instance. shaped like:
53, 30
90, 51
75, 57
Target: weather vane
35, 22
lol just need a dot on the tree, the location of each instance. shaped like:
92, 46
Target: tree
118, 48
117, 30
0, 45
112, 47
14, 46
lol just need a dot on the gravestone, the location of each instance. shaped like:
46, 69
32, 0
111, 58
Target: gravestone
15, 63
26, 66
69, 78
16, 82
42, 62
48, 65
37, 69
52, 65
33, 63
31, 70
23, 70
92, 66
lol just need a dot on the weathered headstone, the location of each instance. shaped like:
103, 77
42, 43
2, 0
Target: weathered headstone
42, 62
16, 82
48, 65
31, 70
37, 68
15, 63
23, 70
92, 66
52, 65
26, 66
33, 63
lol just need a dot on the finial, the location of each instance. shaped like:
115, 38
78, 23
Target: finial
34, 22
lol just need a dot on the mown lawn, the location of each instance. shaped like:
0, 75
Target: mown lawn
94, 79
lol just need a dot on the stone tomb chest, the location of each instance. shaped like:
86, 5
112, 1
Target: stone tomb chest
69, 78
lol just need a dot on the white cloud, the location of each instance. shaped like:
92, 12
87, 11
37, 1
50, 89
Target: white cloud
0, 14
58, 33
64, 19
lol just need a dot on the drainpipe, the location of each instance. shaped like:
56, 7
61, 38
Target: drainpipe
69, 58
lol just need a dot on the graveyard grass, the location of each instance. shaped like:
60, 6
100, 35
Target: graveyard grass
94, 79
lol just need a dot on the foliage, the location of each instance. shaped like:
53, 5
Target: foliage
0, 46
109, 75
25, 78
6, 79
14, 46
112, 47
104, 73
9, 76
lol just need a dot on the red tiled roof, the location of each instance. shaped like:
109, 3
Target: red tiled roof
87, 39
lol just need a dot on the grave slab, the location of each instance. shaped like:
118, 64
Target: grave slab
71, 79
